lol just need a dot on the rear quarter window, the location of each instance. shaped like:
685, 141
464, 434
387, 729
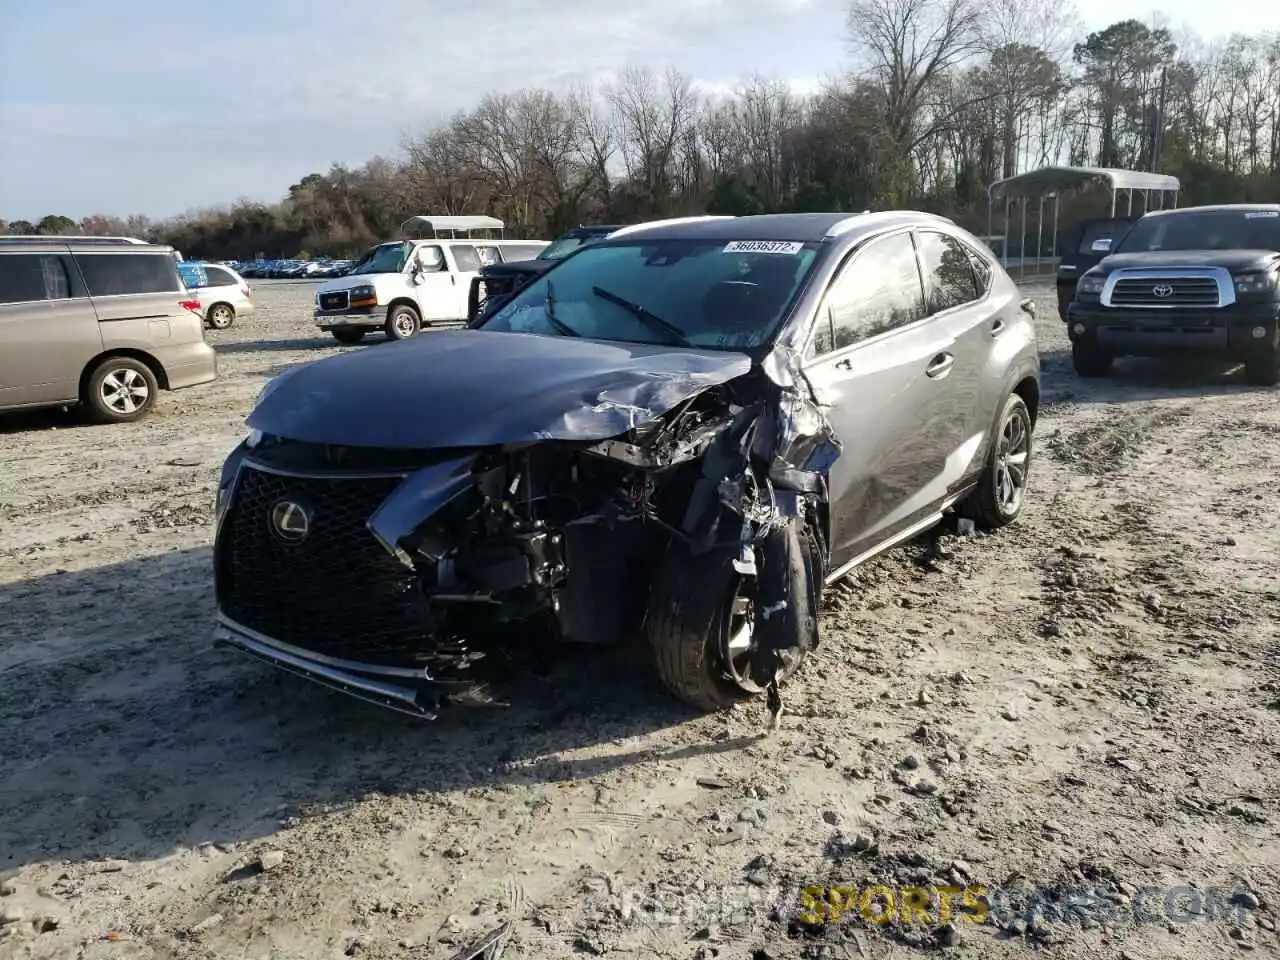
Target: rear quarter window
31, 277
119, 274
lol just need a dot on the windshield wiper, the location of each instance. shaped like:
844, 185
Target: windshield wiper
671, 334
549, 305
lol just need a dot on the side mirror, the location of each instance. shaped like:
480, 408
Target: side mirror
1102, 245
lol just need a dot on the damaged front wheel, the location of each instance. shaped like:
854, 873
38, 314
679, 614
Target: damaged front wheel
719, 636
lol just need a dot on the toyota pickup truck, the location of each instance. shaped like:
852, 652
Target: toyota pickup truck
1194, 281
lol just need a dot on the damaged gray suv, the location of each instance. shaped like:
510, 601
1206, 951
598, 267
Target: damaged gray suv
683, 432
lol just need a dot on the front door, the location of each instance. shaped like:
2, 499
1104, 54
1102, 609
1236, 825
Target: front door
434, 284
466, 264
875, 362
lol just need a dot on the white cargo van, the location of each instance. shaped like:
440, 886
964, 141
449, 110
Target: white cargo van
404, 285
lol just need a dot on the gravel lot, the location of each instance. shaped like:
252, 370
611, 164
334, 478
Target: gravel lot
1091, 696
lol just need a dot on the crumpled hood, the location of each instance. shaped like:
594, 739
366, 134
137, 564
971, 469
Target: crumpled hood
1233, 260
463, 388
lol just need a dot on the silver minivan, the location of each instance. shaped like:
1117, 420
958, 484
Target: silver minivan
107, 325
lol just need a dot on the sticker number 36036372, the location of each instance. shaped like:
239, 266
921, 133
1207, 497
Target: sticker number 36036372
763, 246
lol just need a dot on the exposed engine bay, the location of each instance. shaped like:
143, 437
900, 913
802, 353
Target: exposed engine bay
430, 569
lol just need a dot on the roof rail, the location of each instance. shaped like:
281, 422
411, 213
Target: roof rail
848, 223
67, 238
637, 227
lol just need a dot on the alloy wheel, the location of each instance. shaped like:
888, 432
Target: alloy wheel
1013, 454
124, 391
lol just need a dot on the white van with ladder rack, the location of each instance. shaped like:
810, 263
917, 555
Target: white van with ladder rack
402, 286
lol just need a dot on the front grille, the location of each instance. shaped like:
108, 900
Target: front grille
1165, 292
334, 301
337, 591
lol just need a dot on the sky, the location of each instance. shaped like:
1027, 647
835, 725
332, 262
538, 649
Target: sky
155, 107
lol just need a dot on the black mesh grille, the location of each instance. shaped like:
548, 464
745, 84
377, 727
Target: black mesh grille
1166, 292
336, 592
333, 301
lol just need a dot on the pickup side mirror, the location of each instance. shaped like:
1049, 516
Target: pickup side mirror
1101, 245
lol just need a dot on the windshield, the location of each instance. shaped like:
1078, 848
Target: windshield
558, 249
1212, 230
384, 258
701, 293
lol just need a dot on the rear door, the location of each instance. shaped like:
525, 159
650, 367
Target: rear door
467, 264
872, 360
960, 411
139, 299
48, 330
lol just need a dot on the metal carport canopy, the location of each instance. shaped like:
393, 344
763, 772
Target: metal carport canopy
1049, 181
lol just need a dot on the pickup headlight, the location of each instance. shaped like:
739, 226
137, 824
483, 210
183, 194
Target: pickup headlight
1252, 283
363, 296
1091, 283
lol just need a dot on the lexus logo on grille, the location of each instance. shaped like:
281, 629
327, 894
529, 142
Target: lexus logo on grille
1162, 290
290, 521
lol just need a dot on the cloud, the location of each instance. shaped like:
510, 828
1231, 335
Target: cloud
165, 111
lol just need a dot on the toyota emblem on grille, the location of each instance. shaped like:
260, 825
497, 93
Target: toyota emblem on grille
290, 521
1162, 290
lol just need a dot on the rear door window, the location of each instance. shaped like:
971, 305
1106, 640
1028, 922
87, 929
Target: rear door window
489, 255
32, 277
219, 277
120, 274
948, 271
466, 258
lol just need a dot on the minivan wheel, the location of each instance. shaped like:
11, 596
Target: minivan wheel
120, 390
348, 336
221, 316
997, 499
402, 323
701, 622
1264, 369
1089, 360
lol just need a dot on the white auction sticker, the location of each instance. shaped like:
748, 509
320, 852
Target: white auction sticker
763, 246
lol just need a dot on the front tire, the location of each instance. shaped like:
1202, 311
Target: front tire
120, 390
701, 620
348, 337
1263, 370
1089, 360
402, 323
221, 316
998, 498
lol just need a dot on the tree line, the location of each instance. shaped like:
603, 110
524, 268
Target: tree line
949, 95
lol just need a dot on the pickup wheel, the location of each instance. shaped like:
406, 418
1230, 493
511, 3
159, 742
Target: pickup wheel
1089, 360
1264, 369
349, 336
701, 621
402, 322
997, 499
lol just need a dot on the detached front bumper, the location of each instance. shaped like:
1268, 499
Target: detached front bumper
1237, 333
403, 690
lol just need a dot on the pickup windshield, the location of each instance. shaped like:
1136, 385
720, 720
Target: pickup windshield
1208, 230
701, 293
384, 258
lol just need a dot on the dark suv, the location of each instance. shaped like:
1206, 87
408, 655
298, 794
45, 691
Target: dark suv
684, 430
1195, 281
503, 279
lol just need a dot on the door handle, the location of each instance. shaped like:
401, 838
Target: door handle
997, 327
845, 364
940, 366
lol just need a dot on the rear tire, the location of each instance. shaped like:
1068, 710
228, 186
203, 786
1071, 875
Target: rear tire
221, 316
120, 390
349, 337
402, 323
1090, 361
1263, 370
699, 603
998, 498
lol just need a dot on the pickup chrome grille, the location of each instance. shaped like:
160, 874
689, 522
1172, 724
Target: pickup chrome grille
334, 301
1165, 292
